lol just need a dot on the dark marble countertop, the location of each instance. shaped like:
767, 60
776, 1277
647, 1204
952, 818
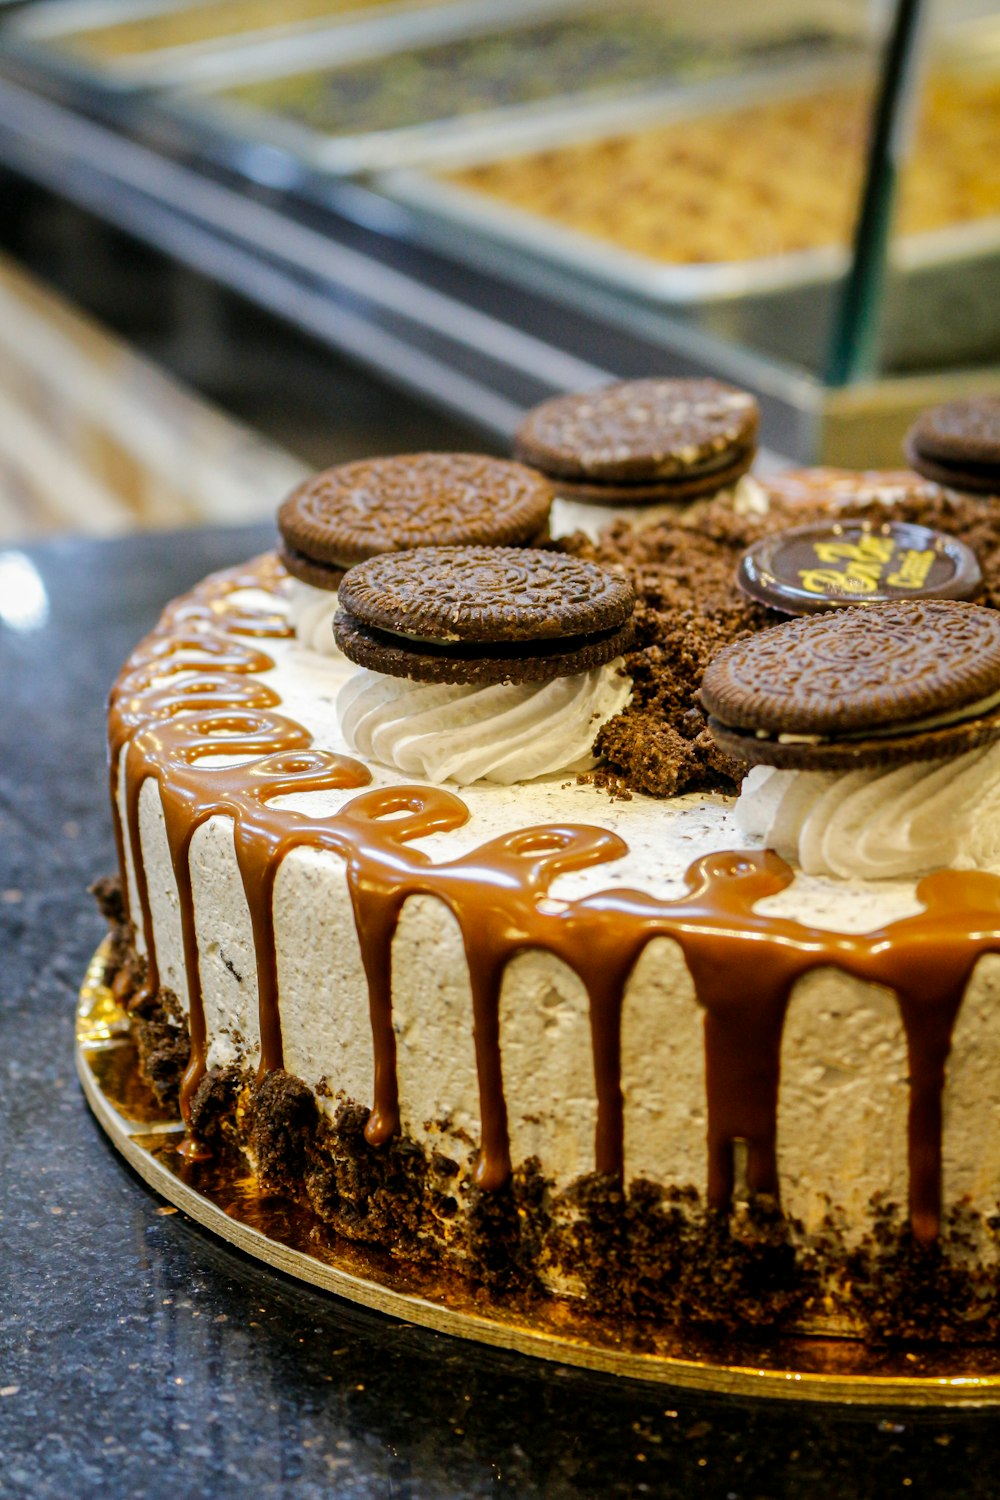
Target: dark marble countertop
141, 1357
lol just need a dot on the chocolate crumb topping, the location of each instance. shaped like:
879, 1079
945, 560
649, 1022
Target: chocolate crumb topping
688, 608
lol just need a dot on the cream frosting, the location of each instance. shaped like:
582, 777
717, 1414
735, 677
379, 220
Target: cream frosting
566, 516
500, 732
843, 1103
880, 823
311, 611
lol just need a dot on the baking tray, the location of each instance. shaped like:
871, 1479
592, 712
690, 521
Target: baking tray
207, 108
943, 306
46, 32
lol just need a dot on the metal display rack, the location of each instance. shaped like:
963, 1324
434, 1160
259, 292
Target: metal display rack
373, 276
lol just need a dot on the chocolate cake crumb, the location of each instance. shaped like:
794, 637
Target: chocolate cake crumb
594, 1246
283, 1118
121, 967
689, 606
213, 1106
507, 1229
161, 1036
107, 892
902, 1291
659, 1256
158, 1023
372, 1194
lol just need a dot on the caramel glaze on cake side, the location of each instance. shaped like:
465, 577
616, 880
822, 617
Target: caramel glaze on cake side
743, 963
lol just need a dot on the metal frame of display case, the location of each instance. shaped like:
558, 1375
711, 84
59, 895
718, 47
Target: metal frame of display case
358, 273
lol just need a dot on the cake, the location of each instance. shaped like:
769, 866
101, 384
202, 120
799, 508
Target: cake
562, 1043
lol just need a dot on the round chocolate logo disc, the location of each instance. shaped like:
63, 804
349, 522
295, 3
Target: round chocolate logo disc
835, 563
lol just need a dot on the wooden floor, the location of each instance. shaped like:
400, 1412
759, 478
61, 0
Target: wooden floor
96, 439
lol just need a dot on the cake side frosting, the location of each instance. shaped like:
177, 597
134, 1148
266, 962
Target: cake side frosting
564, 942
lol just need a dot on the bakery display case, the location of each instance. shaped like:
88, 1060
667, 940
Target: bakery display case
135, 45
943, 260
490, 208
758, 260
516, 1059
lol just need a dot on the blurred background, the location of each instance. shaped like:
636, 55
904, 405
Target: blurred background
240, 240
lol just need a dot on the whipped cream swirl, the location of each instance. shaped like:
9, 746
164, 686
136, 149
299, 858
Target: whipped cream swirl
879, 824
310, 612
503, 732
747, 498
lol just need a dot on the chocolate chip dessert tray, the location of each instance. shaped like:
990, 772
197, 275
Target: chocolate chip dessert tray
945, 280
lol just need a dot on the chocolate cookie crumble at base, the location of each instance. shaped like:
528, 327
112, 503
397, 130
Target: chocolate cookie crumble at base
688, 606
650, 1257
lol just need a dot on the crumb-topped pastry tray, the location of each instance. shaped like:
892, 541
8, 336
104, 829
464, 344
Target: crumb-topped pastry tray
223, 1196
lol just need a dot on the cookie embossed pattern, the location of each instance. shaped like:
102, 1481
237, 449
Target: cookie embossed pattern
493, 663
958, 444
643, 450
496, 1036
355, 511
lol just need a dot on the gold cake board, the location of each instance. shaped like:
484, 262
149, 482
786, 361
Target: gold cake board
226, 1200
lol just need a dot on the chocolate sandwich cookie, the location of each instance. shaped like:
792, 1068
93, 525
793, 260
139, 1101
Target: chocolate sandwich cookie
482, 614
359, 510
642, 441
320, 575
958, 445
879, 685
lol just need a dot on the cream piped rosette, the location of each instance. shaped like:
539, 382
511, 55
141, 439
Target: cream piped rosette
482, 663
310, 614
879, 824
502, 732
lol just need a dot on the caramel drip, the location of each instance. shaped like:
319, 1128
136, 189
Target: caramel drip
928, 961
183, 696
210, 605
187, 704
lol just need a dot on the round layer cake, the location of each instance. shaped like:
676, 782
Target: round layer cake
564, 1044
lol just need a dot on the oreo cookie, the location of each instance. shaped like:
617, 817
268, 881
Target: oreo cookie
482, 614
643, 441
958, 445
887, 683
306, 570
832, 564
359, 510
